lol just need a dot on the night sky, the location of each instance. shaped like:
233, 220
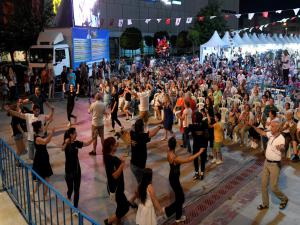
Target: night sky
265, 5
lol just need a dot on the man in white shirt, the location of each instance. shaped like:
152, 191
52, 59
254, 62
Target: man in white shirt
285, 60
143, 96
30, 118
97, 109
274, 152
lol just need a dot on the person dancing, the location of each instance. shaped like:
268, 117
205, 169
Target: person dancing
71, 103
168, 117
114, 108
72, 166
115, 179
175, 162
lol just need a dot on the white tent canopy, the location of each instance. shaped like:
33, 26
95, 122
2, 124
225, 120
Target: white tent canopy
255, 39
215, 42
246, 39
227, 39
238, 40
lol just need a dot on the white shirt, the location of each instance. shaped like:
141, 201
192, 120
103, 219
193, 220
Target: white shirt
144, 101
272, 153
97, 109
30, 118
187, 113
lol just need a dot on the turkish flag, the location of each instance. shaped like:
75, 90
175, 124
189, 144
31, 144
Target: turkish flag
168, 21
201, 18
265, 14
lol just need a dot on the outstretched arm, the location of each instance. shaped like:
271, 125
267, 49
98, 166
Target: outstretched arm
154, 131
178, 160
44, 141
15, 113
154, 198
260, 131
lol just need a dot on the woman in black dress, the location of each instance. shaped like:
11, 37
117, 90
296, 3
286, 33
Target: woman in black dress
72, 165
199, 130
115, 179
114, 106
41, 163
168, 117
175, 162
71, 103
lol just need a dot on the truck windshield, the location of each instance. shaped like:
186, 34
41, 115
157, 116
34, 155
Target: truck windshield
41, 55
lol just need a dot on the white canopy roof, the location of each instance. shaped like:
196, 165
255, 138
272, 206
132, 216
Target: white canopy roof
263, 39
246, 39
238, 40
227, 39
255, 39
215, 42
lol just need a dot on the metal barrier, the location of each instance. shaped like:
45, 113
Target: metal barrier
19, 180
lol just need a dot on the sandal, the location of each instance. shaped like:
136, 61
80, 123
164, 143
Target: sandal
262, 207
283, 204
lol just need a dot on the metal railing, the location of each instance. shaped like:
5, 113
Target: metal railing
19, 180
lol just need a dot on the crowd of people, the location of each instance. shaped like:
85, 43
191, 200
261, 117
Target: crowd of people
252, 101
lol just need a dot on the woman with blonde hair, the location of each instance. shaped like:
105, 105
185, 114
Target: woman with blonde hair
168, 117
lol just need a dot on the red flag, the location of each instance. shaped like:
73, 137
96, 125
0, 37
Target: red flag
201, 18
226, 17
274, 23
111, 22
265, 14
101, 22
256, 27
293, 18
168, 21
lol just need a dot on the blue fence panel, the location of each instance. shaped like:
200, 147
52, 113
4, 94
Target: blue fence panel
44, 207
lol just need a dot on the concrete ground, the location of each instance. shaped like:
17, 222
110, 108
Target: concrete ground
229, 193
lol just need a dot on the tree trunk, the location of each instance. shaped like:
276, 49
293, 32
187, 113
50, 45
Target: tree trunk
12, 57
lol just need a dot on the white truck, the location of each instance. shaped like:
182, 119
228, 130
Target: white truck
58, 47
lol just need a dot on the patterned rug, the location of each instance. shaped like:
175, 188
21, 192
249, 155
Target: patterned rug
198, 210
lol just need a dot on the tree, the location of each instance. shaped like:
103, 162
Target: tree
160, 35
173, 40
131, 39
182, 40
24, 25
148, 40
201, 31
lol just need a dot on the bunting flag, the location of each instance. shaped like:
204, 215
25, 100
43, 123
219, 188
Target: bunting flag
251, 29
212, 17
278, 11
147, 21
261, 27
129, 22
189, 20
293, 18
177, 21
168, 21
201, 18
238, 15
265, 14
296, 11
250, 16
120, 24
226, 17
111, 22
158, 20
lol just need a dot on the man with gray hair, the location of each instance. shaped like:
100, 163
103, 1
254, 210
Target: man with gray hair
274, 153
97, 109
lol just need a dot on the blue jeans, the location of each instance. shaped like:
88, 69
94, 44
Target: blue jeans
186, 139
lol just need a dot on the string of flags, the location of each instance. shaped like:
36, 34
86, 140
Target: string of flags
261, 27
177, 21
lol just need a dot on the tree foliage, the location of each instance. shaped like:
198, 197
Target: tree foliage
131, 38
25, 24
173, 40
201, 31
148, 40
160, 35
182, 40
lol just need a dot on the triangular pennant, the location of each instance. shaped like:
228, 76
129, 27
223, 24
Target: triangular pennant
129, 22
212, 17
189, 20
177, 21
201, 18
266, 25
251, 29
111, 22
261, 27
274, 23
296, 11
226, 17
158, 20
250, 16
265, 14
120, 24
168, 21
278, 11
294, 17
147, 21
238, 15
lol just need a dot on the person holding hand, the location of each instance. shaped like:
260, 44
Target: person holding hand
115, 179
72, 166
